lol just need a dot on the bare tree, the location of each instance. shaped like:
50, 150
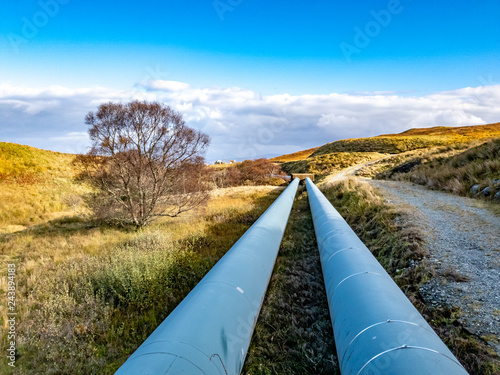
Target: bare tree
145, 162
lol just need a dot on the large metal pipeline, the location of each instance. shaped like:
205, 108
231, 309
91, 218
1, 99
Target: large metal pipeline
377, 330
210, 331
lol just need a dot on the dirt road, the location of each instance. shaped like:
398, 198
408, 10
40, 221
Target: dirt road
351, 171
462, 239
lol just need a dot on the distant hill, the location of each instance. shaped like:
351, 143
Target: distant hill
488, 130
412, 139
343, 153
295, 156
35, 185
20, 163
408, 140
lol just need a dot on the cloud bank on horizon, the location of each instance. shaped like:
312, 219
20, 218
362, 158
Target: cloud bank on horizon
242, 123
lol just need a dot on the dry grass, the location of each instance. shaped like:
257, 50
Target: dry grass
413, 139
300, 155
453, 170
34, 185
18, 163
471, 132
89, 296
326, 164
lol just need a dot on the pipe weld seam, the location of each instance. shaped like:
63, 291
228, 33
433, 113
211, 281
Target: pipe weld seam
327, 223
325, 220
332, 233
377, 324
338, 251
355, 274
175, 354
406, 347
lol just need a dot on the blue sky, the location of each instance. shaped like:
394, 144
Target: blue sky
406, 51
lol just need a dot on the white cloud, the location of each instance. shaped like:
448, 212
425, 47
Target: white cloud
241, 122
72, 136
446, 117
167, 85
332, 122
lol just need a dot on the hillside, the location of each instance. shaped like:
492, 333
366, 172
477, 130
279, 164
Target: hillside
300, 155
342, 154
412, 139
473, 170
323, 165
19, 163
35, 185
406, 141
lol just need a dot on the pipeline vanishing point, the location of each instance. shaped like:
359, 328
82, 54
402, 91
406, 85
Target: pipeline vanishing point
376, 328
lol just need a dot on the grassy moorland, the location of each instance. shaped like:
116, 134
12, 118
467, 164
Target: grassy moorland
453, 170
35, 186
88, 295
452, 159
413, 139
300, 155
326, 164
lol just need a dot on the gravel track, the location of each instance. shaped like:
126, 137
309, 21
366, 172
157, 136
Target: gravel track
463, 241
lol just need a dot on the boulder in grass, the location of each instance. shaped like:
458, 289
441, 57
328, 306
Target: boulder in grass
475, 189
486, 192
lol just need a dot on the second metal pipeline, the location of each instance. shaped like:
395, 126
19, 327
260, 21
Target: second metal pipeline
377, 330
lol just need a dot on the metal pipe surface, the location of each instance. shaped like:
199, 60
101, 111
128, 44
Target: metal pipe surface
209, 332
377, 330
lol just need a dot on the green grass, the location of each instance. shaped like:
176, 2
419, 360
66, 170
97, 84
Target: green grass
294, 333
89, 296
